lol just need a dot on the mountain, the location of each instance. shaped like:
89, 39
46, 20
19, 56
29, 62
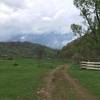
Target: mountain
51, 39
84, 48
26, 50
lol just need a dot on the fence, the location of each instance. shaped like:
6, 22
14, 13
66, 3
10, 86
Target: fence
90, 65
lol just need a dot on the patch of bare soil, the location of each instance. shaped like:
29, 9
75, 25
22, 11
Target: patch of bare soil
59, 85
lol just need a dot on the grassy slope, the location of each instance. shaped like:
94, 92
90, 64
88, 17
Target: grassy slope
88, 78
21, 82
84, 48
24, 49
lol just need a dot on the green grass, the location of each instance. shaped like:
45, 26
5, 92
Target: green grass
20, 82
88, 78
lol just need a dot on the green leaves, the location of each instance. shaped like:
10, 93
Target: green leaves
90, 11
77, 29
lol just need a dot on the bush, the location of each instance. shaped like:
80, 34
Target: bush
15, 64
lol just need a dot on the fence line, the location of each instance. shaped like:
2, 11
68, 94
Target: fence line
90, 65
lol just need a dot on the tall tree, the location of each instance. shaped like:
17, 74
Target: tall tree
90, 11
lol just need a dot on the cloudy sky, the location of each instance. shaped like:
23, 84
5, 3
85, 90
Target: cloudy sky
20, 19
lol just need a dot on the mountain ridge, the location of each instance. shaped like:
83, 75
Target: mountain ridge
25, 50
84, 48
51, 39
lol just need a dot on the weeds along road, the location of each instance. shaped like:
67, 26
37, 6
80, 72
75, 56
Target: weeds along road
59, 85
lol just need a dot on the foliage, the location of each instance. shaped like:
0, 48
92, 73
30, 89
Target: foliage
90, 11
77, 29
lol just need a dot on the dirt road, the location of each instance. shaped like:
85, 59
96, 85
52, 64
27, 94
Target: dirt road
59, 85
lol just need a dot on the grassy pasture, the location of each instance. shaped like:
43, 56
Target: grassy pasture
88, 78
20, 78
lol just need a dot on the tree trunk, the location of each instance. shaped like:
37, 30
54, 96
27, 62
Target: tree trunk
97, 15
91, 27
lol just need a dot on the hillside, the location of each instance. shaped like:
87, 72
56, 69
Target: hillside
25, 49
84, 48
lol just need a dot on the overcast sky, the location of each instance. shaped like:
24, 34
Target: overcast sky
36, 17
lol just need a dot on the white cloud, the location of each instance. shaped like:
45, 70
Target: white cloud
37, 16
15, 3
47, 19
38, 13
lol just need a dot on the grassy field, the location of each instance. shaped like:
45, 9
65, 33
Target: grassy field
20, 78
88, 78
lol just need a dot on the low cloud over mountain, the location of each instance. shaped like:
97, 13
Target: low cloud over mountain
53, 40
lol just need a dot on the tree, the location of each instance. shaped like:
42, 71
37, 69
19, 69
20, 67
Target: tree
77, 29
40, 52
90, 11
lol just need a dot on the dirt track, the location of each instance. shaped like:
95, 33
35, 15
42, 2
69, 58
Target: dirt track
59, 85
